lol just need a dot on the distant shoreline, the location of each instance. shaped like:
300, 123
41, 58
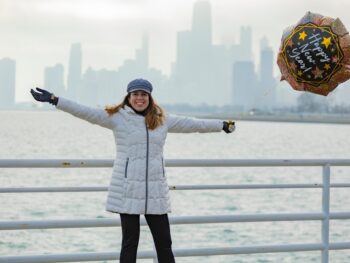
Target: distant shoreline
283, 117
304, 118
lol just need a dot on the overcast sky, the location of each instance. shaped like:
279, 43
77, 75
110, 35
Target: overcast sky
38, 33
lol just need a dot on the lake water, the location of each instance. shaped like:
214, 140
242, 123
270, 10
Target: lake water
51, 135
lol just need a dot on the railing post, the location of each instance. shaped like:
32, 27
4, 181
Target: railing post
325, 209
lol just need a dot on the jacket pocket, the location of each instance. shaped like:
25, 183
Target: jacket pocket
163, 167
126, 168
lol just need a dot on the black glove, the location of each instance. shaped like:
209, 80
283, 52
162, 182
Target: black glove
229, 126
44, 96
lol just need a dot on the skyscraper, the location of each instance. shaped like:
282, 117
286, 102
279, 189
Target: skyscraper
245, 44
244, 85
7, 83
53, 79
74, 72
201, 42
266, 65
135, 68
201, 22
193, 77
267, 83
142, 54
90, 86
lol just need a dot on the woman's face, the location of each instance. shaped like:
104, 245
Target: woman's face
139, 100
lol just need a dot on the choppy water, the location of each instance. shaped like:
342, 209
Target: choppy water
58, 135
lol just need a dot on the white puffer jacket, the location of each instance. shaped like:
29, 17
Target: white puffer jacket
138, 184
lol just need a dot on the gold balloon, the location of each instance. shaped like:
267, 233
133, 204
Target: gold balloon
314, 55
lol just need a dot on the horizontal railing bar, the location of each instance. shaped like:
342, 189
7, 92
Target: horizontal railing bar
55, 163
340, 185
257, 249
175, 220
73, 189
63, 189
77, 257
86, 163
339, 246
339, 215
94, 256
254, 162
251, 186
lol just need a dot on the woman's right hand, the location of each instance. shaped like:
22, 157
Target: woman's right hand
43, 95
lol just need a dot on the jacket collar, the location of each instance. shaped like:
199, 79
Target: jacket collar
130, 110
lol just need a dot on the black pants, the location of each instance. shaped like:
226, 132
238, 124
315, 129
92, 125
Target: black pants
160, 229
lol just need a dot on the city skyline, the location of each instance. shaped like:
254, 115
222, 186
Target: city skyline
201, 72
226, 40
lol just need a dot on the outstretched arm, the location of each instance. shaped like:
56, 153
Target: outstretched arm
92, 115
186, 125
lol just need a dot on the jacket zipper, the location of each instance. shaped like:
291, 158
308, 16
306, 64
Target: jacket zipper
126, 168
163, 167
147, 169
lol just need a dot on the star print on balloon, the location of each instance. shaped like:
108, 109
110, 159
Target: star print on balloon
308, 53
315, 54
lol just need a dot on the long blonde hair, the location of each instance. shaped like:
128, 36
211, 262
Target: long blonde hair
154, 116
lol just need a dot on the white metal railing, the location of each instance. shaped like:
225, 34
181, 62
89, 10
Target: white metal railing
324, 216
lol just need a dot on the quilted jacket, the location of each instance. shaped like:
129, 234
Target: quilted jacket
138, 184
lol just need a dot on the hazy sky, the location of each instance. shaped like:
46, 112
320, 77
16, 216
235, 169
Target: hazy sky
38, 33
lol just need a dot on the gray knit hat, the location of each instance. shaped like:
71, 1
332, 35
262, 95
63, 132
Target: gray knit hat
140, 84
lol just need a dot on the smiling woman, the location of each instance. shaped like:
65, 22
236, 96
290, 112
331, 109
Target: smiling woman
139, 183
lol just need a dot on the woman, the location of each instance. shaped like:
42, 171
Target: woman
138, 184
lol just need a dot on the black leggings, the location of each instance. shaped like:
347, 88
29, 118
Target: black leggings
160, 229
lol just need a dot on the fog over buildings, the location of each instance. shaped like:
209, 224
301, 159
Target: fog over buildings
7, 83
202, 73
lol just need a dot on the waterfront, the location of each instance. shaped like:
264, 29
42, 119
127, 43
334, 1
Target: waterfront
58, 135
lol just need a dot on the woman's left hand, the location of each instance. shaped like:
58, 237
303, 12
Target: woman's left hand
229, 126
